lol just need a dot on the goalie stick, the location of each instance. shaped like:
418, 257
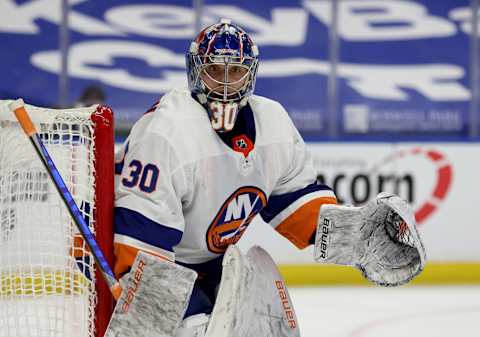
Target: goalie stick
138, 312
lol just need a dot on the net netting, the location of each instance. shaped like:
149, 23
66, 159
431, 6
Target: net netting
47, 279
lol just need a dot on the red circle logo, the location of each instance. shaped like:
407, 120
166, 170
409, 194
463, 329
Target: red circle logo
443, 181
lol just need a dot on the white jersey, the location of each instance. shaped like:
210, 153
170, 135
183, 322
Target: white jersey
181, 188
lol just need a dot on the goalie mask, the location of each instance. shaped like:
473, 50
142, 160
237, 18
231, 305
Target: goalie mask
222, 67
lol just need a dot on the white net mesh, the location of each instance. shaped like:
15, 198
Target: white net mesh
47, 285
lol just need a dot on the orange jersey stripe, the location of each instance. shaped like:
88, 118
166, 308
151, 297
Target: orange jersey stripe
79, 248
125, 256
299, 226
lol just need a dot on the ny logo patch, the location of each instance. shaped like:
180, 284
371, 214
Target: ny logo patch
234, 217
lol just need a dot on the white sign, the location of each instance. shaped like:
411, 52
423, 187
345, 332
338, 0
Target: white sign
440, 181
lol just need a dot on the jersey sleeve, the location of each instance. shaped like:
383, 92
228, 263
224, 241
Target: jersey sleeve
294, 205
150, 186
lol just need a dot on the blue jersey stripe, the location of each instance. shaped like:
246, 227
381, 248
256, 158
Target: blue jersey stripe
277, 203
119, 167
137, 226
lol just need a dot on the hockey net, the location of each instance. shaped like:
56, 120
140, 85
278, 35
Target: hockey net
48, 281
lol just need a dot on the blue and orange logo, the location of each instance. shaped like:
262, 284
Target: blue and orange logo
234, 217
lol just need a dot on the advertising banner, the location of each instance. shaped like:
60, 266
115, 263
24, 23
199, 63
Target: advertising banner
437, 179
403, 66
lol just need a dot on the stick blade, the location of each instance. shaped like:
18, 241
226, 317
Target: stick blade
154, 299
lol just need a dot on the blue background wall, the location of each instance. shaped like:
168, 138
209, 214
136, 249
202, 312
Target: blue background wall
393, 70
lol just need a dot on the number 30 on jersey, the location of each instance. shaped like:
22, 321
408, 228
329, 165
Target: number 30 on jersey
143, 176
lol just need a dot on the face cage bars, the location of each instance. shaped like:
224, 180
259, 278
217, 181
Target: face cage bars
199, 66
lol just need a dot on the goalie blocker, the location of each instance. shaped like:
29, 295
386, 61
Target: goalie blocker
380, 238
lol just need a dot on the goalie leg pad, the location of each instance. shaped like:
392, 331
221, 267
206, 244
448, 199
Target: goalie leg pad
380, 238
252, 299
154, 299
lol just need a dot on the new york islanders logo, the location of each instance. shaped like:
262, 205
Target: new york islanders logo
234, 217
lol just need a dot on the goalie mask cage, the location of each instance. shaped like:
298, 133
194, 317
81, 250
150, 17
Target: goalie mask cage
49, 286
